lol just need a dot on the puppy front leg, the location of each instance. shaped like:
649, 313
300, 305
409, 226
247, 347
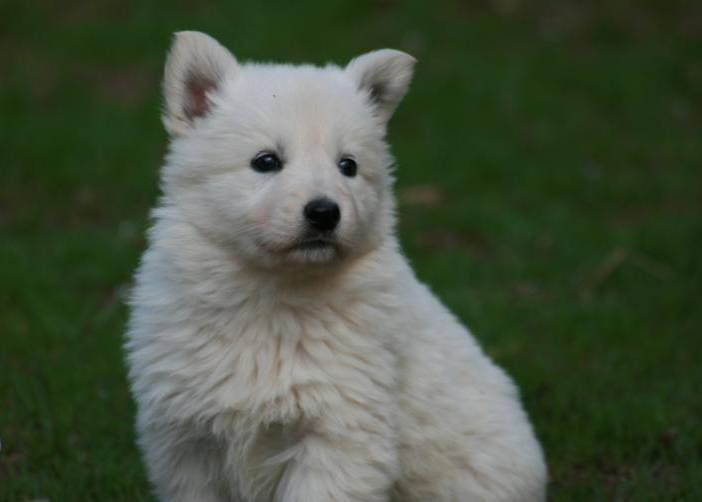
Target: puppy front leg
353, 466
182, 469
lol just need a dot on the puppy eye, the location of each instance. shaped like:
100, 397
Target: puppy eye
348, 167
266, 162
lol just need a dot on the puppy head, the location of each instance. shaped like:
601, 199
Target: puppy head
281, 164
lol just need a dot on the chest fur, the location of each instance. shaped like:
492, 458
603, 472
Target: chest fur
275, 366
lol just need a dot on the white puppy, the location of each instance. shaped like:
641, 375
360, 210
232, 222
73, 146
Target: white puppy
280, 347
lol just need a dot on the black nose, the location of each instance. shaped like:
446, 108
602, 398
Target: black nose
322, 214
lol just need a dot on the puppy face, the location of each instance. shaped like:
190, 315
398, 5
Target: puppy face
281, 164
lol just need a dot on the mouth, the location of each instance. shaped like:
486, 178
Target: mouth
315, 243
317, 247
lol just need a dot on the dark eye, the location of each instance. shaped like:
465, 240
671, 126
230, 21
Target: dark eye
348, 167
266, 162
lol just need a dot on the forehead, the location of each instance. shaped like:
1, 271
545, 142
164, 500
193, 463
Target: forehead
304, 103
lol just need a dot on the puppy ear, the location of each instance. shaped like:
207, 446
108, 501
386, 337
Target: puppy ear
195, 69
385, 76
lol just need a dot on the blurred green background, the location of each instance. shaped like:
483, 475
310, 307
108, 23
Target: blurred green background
550, 183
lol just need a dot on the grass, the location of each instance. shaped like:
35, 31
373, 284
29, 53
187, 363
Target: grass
550, 178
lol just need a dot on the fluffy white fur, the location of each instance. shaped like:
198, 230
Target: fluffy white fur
266, 371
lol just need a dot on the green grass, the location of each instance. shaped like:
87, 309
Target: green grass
560, 143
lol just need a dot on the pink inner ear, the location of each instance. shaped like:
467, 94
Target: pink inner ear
196, 88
